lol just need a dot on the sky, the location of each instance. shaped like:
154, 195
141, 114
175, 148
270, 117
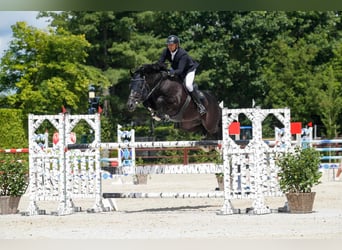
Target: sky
8, 18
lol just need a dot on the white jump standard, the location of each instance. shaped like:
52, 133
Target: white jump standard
60, 175
253, 165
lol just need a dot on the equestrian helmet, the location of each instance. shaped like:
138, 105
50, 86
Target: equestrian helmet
172, 40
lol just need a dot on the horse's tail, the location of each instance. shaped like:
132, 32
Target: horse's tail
218, 134
216, 114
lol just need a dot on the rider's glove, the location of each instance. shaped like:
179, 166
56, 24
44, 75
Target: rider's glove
165, 74
171, 73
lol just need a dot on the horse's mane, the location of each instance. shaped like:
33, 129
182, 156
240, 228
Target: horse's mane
153, 68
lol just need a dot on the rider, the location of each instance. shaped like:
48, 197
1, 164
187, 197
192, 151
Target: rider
183, 66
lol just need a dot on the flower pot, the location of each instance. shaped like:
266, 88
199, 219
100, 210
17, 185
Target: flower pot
140, 179
9, 204
220, 182
300, 202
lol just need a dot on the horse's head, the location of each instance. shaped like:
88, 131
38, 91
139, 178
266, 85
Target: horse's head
139, 89
143, 80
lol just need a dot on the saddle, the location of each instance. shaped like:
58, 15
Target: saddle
200, 93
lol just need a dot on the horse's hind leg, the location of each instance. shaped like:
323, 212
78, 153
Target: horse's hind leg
211, 121
192, 126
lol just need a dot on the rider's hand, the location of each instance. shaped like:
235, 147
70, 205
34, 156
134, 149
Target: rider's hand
171, 73
165, 74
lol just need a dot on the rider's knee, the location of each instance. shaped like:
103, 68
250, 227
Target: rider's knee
189, 87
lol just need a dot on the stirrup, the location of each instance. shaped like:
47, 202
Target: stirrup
202, 110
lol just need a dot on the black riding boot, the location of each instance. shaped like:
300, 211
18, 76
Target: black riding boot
195, 96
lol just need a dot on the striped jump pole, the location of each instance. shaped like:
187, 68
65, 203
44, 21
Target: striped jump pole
319, 142
14, 150
331, 159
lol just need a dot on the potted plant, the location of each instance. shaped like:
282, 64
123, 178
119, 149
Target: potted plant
13, 182
219, 178
299, 172
140, 178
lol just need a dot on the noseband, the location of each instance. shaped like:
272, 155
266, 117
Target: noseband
135, 95
143, 88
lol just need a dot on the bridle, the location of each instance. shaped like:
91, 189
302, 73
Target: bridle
145, 88
136, 95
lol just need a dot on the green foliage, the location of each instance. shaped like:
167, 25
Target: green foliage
107, 129
276, 58
42, 71
327, 93
13, 129
299, 170
298, 69
140, 130
13, 175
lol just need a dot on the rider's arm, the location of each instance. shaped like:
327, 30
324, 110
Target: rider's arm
163, 56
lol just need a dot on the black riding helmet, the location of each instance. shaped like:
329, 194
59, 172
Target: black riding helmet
172, 40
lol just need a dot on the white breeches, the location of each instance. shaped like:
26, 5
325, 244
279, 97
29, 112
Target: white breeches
189, 80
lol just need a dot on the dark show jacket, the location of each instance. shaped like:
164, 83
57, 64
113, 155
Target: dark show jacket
181, 64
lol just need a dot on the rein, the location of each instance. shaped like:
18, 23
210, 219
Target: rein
154, 88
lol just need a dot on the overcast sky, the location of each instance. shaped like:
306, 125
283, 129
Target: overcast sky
8, 18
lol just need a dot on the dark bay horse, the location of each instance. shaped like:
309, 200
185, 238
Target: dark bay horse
166, 97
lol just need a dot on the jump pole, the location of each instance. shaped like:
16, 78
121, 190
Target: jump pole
14, 150
156, 144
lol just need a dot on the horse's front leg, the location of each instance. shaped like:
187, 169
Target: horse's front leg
159, 113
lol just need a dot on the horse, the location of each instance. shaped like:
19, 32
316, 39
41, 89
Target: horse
167, 98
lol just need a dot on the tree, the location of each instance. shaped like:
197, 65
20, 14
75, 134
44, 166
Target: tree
271, 57
42, 71
116, 47
302, 70
288, 75
328, 93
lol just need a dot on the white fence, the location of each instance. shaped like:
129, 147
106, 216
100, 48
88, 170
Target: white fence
60, 174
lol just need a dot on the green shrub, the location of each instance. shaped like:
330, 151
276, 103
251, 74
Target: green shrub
13, 175
299, 170
13, 129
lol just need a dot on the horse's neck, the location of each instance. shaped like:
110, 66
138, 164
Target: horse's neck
165, 87
154, 80
172, 89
